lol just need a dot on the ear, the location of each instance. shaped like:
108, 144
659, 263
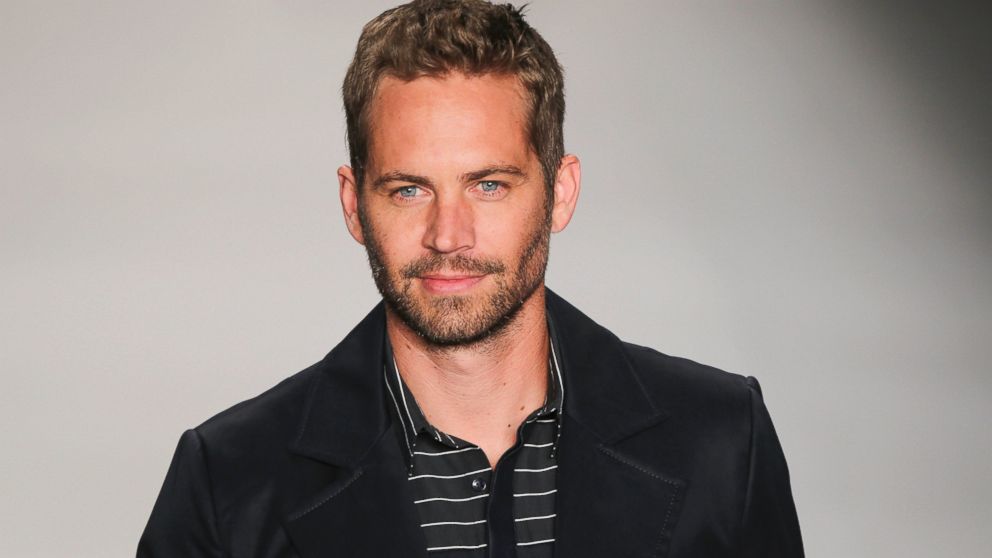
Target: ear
567, 185
349, 202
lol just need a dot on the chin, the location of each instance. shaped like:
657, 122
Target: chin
463, 319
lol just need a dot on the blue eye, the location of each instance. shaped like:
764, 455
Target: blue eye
489, 185
408, 191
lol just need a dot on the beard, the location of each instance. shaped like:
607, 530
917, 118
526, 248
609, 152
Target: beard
460, 320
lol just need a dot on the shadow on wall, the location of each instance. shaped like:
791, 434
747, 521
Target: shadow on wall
942, 52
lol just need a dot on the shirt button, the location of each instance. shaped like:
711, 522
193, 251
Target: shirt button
479, 484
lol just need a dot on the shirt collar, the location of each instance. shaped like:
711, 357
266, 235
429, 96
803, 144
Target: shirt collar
413, 422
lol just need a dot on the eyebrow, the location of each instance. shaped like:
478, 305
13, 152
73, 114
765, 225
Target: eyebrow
470, 176
384, 179
489, 171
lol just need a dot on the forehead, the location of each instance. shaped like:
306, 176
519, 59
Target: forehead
448, 118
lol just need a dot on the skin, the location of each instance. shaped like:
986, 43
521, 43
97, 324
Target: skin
454, 214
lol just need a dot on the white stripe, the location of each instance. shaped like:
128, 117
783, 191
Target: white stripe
398, 413
548, 445
403, 393
533, 518
535, 470
453, 523
561, 383
430, 548
534, 542
452, 499
534, 493
447, 452
449, 476
546, 420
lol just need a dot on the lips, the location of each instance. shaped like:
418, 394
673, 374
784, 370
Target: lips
448, 284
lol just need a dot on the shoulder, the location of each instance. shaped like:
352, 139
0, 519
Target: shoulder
691, 391
679, 387
692, 378
267, 419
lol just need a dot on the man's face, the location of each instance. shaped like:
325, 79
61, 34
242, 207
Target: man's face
453, 212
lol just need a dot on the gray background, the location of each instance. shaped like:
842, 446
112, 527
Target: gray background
799, 192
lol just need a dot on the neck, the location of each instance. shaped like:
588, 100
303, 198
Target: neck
479, 393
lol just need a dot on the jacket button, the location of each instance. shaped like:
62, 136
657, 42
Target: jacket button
479, 484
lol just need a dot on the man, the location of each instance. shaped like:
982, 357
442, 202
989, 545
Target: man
474, 412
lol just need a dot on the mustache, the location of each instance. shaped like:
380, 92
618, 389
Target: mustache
434, 263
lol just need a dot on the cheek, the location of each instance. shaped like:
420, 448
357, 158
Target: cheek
395, 245
508, 232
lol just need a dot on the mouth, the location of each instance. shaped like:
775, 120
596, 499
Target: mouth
449, 284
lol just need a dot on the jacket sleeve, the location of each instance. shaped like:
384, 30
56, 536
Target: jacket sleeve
770, 527
183, 522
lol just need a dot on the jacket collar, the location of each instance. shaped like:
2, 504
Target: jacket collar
602, 390
346, 412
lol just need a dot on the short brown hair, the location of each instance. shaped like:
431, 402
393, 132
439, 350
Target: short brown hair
473, 37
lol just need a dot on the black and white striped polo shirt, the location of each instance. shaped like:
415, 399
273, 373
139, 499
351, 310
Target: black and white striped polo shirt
467, 509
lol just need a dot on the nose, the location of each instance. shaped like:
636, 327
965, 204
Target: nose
451, 226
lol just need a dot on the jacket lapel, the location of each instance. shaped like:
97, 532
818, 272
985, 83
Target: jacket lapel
366, 508
611, 501
367, 511
609, 504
